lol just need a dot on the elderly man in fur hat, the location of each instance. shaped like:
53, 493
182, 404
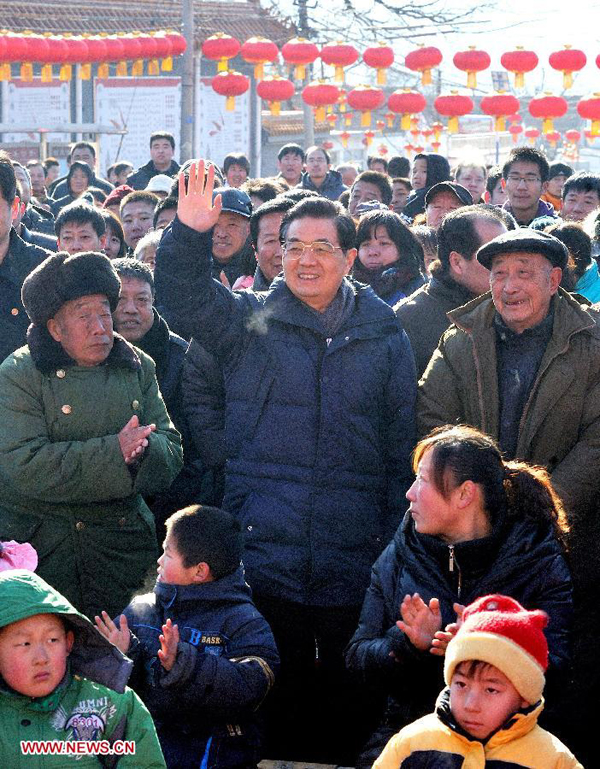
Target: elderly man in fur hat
83, 433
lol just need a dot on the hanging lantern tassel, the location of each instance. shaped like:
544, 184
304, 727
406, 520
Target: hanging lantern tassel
369, 136
300, 71
65, 72
405, 122
5, 73
122, 69
47, 73
167, 64
365, 118
595, 128
500, 123
547, 125
85, 71
344, 136
27, 71
320, 113
453, 124
137, 68
103, 69
153, 67
230, 103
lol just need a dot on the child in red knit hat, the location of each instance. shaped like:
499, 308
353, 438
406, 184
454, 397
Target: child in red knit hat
494, 670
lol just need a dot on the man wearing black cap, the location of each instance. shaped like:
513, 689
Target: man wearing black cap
443, 198
557, 176
231, 246
83, 433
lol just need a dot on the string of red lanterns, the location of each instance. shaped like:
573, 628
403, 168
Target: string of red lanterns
47, 50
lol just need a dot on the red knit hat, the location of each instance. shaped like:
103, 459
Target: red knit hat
496, 629
116, 196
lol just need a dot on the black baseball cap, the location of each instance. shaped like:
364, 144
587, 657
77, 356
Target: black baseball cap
234, 200
462, 193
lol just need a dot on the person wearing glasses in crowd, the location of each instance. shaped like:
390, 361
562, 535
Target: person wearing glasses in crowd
525, 177
316, 466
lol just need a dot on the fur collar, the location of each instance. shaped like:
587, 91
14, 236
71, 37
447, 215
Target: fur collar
48, 354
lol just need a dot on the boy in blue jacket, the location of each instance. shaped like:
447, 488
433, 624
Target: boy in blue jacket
204, 658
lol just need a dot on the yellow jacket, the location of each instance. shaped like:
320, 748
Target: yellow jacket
521, 743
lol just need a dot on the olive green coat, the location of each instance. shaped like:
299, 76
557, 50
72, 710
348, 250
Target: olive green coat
65, 487
560, 426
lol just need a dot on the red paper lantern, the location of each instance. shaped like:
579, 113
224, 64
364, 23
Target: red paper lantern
259, 51
178, 43
553, 137
515, 130
339, 55
389, 116
383, 150
76, 53
515, 118
319, 94
365, 98
300, 53
345, 136
368, 138
589, 109
332, 119
532, 134
132, 48
499, 105
423, 60
96, 52
380, 125
16, 47
548, 107
567, 61
573, 135
275, 90
519, 62
472, 61
437, 129
380, 56
221, 48
406, 103
453, 106
327, 145
230, 84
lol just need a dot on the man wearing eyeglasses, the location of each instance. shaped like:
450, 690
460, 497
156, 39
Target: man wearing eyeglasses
524, 179
320, 392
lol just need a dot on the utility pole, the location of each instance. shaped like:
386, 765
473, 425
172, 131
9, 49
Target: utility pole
304, 31
186, 135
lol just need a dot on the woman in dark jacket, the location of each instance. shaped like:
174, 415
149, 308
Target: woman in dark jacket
389, 256
475, 525
428, 169
79, 178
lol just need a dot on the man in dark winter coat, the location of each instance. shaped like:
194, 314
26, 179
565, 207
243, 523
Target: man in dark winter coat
162, 149
318, 175
319, 428
17, 260
34, 217
137, 320
525, 177
456, 278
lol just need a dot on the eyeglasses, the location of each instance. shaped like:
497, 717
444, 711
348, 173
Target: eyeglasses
530, 179
322, 249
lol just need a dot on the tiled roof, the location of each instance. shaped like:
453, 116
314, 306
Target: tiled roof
240, 19
289, 122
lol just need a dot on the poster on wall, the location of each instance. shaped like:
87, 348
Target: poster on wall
140, 106
36, 105
219, 131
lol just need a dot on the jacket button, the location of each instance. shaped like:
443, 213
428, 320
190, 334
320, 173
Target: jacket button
14, 311
80, 525
135, 404
249, 528
61, 373
66, 409
347, 338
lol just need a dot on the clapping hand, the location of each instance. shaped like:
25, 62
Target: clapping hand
195, 206
168, 645
118, 636
420, 621
443, 637
133, 439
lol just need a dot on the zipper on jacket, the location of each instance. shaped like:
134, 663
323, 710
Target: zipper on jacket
453, 566
328, 340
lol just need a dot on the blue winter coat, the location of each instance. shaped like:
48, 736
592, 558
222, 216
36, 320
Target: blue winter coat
318, 431
332, 186
204, 706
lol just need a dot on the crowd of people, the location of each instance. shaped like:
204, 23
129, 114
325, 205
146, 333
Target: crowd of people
358, 410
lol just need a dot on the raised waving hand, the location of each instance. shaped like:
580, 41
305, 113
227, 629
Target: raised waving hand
195, 207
